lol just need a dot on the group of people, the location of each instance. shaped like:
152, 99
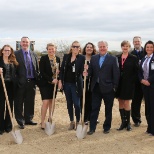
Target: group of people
128, 76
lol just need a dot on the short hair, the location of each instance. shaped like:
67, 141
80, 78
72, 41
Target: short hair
52, 45
25, 37
125, 42
93, 46
103, 42
136, 37
149, 42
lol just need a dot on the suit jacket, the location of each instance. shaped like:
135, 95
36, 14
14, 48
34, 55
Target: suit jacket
79, 67
21, 68
139, 56
108, 74
45, 70
151, 72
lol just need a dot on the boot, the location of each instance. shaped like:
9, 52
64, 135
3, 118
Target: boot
72, 125
128, 127
123, 120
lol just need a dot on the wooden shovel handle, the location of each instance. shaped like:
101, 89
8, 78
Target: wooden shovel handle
7, 100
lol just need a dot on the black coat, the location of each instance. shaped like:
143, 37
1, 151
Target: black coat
127, 77
45, 70
79, 67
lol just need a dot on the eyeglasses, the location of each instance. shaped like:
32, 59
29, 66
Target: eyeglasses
75, 46
7, 50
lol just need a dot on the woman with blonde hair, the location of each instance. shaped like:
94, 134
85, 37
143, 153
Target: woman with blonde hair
48, 65
71, 81
8, 64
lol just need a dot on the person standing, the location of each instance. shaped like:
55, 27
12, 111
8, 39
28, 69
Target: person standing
146, 77
88, 50
70, 79
8, 64
27, 73
104, 73
128, 66
138, 94
48, 65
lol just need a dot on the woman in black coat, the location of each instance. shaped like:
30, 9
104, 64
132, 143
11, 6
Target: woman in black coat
8, 65
128, 65
146, 76
47, 65
71, 81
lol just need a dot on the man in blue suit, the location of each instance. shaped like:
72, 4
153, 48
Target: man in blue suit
104, 73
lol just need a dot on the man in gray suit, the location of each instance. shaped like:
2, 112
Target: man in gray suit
26, 84
104, 73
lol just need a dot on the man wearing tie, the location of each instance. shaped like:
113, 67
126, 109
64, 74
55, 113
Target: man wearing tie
104, 73
26, 80
138, 94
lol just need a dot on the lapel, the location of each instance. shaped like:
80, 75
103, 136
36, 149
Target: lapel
96, 61
22, 57
33, 59
151, 61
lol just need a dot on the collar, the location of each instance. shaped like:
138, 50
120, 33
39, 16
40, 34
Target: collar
102, 55
149, 56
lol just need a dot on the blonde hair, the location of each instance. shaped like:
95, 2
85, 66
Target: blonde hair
72, 45
52, 45
125, 42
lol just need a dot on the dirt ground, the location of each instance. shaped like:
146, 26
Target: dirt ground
64, 141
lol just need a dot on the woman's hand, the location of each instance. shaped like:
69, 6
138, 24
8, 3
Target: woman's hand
145, 82
55, 81
60, 86
1, 70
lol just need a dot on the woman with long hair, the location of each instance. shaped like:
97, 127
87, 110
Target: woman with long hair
88, 50
48, 65
71, 81
8, 64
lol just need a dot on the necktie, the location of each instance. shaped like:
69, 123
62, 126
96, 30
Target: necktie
145, 69
28, 64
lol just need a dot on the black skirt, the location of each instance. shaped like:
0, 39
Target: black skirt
47, 91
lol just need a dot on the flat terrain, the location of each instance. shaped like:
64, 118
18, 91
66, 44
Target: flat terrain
64, 141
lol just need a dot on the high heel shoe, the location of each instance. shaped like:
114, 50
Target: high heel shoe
42, 126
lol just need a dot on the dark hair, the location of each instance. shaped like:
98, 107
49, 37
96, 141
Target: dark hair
84, 49
12, 58
149, 42
25, 37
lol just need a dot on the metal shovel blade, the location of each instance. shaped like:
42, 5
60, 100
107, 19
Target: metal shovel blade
49, 128
81, 131
17, 137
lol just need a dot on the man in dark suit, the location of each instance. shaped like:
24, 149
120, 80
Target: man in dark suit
25, 87
138, 94
104, 73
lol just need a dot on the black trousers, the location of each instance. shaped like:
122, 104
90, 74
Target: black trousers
97, 97
148, 93
24, 102
5, 121
136, 103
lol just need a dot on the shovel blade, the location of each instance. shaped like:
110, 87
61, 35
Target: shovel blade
81, 131
17, 137
49, 128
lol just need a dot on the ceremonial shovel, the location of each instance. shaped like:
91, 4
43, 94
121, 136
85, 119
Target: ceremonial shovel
17, 137
50, 125
81, 131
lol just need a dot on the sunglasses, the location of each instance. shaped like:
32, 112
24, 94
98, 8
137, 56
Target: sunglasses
75, 46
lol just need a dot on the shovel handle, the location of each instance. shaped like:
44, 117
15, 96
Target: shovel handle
7, 100
54, 93
83, 100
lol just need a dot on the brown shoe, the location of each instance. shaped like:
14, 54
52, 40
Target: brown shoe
72, 125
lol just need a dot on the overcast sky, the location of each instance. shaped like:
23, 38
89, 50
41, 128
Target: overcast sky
84, 20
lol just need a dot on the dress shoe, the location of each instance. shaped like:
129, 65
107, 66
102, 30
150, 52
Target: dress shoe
1, 132
137, 124
22, 126
30, 123
72, 125
106, 131
97, 121
91, 132
8, 130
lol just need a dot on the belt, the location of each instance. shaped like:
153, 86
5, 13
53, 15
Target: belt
30, 79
